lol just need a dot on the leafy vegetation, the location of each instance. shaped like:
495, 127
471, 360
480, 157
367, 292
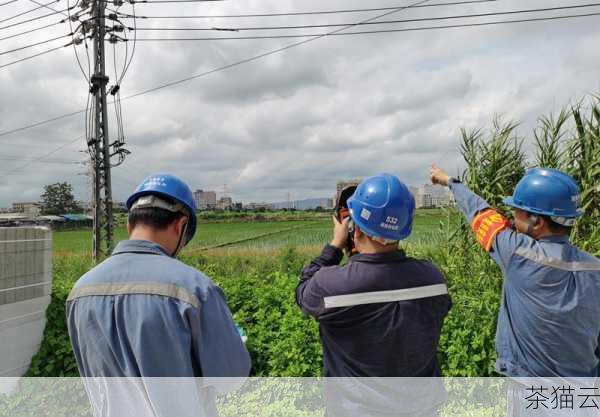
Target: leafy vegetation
58, 199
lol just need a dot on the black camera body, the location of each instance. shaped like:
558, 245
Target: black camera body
342, 212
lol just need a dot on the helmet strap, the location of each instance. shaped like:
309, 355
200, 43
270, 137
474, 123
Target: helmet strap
180, 242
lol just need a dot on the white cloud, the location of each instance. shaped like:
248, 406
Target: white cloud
300, 120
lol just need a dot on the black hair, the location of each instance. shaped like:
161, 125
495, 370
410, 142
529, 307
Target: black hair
555, 227
154, 217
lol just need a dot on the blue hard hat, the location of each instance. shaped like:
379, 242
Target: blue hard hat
548, 192
171, 187
382, 206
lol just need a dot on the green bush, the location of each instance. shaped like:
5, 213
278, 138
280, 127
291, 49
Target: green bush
259, 287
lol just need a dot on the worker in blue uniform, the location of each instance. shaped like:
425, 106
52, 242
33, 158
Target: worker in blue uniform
142, 313
549, 320
381, 314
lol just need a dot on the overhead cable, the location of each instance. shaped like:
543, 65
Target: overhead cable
40, 158
41, 6
31, 31
27, 58
8, 2
415, 29
34, 44
306, 13
222, 68
381, 22
33, 19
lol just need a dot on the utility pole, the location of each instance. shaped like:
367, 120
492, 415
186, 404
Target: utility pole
102, 192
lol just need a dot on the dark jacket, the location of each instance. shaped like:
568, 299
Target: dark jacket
385, 339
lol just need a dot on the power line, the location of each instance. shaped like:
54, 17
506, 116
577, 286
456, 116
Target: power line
8, 2
368, 32
33, 19
20, 167
31, 31
41, 6
88, 75
46, 161
306, 13
203, 74
47, 7
34, 44
35, 56
264, 54
424, 19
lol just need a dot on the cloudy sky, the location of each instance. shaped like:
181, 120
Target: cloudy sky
299, 120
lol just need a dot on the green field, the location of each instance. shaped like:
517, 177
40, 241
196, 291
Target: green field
270, 233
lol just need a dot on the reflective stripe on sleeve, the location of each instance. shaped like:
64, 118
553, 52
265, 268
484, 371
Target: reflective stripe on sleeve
349, 300
148, 288
541, 259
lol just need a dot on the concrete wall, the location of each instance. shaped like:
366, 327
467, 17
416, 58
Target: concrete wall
25, 285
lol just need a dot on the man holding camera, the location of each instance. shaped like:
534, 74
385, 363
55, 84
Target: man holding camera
381, 314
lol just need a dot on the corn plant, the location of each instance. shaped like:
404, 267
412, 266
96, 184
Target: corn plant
583, 162
495, 162
550, 138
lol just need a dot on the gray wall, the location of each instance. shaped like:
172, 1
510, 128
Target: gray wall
25, 285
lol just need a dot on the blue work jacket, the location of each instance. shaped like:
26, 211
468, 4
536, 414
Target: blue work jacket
549, 320
141, 313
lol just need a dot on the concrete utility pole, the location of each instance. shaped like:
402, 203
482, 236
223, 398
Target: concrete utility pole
98, 141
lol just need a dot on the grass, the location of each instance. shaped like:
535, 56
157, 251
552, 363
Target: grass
267, 234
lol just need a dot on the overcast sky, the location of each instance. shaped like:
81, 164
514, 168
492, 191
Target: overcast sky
299, 120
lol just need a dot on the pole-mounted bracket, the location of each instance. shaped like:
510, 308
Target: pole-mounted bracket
97, 81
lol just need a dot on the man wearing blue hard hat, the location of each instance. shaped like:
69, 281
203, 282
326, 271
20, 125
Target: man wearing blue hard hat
549, 321
381, 314
142, 313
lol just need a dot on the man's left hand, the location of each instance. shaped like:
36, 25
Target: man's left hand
340, 232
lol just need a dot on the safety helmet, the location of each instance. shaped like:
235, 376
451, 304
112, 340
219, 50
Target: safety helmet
382, 206
172, 188
548, 192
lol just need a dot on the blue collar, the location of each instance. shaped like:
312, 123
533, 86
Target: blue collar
555, 239
397, 256
139, 246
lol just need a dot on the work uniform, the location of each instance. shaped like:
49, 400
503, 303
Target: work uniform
363, 333
549, 321
142, 313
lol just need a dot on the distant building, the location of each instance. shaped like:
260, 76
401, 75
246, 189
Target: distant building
225, 203
12, 218
341, 185
258, 206
28, 209
119, 206
306, 204
429, 196
86, 206
205, 200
